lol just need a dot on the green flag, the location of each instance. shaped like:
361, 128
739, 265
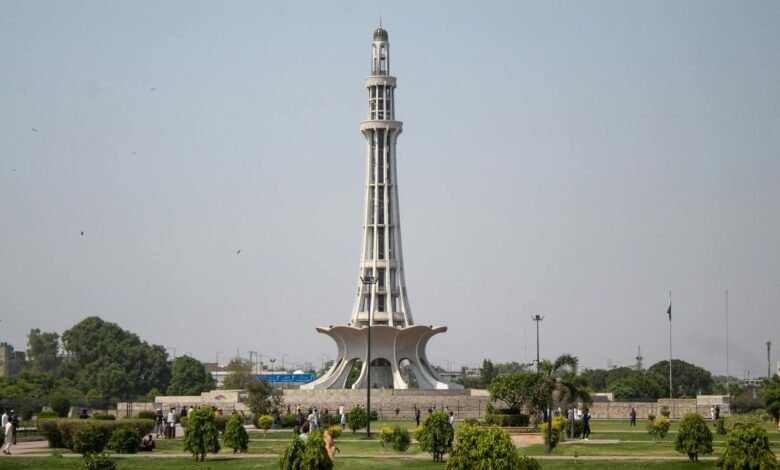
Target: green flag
669, 311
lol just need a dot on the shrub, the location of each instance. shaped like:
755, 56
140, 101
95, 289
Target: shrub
201, 435
288, 420
147, 415
89, 438
743, 421
506, 419
693, 437
125, 440
47, 414
471, 421
386, 436
235, 436
492, 449
720, 426
396, 411
528, 463
356, 419
651, 417
373, 415
435, 435
26, 412
658, 427
396, 437
103, 417
577, 428
292, 457
748, 448
554, 437
665, 412
60, 405
97, 462
49, 429
335, 431
263, 422
315, 454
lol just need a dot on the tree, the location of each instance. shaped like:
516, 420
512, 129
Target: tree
235, 436
116, 360
201, 436
264, 422
292, 456
475, 448
43, 350
771, 393
240, 374
315, 454
357, 418
557, 378
688, 379
487, 372
189, 377
595, 379
513, 390
642, 386
435, 435
747, 447
262, 398
693, 437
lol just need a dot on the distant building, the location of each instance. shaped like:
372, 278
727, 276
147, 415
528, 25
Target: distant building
10, 361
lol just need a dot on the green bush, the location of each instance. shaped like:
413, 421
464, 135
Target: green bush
693, 437
60, 405
264, 422
335, 431
742, 421
288, 420
125, 440
577, 428
528, 463
508, 420
97, 462
658, 427
49, 429
553, 438
147, 415
356, 419
386, 436
103, 417
373, 415
665, 412
747, 447
47, 414
315, 454
476, 448
435, 435
396, 437
720, 426
235, 436
89, 437
471, 421
59, 432
292, 456
201, 436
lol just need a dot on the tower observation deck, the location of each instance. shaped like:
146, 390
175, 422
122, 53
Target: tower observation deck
381, 306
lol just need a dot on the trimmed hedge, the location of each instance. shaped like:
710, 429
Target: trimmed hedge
288, 420
147, 415
103, 417
60, 432
508, 420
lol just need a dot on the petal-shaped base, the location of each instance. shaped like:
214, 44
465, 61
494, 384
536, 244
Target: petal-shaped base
389, 346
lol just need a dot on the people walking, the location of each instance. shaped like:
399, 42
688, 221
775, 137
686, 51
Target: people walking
585, 425
417, 415
9, 435
632, 415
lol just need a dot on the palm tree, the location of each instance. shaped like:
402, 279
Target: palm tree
557, 380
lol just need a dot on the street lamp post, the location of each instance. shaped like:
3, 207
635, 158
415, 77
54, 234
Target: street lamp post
537, 319
369, 281
273, 359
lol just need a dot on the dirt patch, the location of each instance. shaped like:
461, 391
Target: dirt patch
525, 440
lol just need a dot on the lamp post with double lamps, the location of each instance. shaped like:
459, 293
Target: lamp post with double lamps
369, 281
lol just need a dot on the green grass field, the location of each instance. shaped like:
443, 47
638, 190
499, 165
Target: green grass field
613, 445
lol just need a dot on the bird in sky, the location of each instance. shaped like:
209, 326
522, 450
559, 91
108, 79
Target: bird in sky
133, 153
238, 252
82, 233
152, 89
34, 129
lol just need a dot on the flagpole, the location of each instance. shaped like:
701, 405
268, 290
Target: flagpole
671, 395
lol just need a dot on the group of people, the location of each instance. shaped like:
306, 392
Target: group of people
715, 412
166, 425
10, 423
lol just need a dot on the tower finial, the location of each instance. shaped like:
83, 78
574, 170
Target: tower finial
380, 21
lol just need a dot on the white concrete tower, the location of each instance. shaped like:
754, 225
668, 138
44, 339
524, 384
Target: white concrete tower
381, 307
381, 257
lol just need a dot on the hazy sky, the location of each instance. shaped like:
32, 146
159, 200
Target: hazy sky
573, 159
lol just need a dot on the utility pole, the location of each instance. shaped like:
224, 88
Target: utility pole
768, 360
639, 359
